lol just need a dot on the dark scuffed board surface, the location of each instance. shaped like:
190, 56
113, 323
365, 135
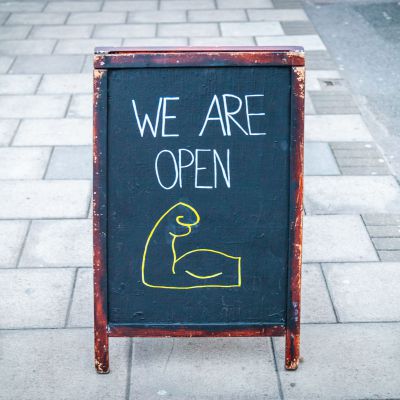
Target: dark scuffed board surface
248, 220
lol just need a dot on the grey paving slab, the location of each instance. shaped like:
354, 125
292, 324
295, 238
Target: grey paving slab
12, 235
387, 243
389, 255
84, 46
18, 84
25, 18
27, 46
203, 368
5, 63
338, 363
364, 170
132, 5
298, 28
44, 199
81, 313
351, 195
336, 238
314, 77
352, 146
381, 219
308, 106
244, 4
18, 6
54, 132
316, 305
336, 128
14, 32
333, 102
309, 42
70, 163
62, 32
28, 106
216, 15
188, 29
222, 41
35, 298
363, 292
384, 231
360, 162
66, 83
319, 60
58, 243
319, 160
186, 4
125, 31
54, 64
287, 4
73, 6
7, 129
277, 15
157, 16
175, 41
23, 162
250, 28
97, 18
81, 106
58, 364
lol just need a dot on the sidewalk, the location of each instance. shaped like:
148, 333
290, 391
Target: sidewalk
351, 301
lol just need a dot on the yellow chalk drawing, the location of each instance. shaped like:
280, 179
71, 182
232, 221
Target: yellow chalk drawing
231, 265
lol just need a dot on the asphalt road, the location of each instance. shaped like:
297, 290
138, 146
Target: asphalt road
364, 39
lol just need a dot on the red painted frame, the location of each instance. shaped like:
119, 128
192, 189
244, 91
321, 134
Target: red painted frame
107, 58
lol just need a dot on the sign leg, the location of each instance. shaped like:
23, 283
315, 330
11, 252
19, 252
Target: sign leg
292, 350
101, 351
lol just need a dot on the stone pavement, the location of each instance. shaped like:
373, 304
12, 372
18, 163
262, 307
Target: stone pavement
351, 302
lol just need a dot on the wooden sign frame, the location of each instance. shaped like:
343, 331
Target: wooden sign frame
116, 58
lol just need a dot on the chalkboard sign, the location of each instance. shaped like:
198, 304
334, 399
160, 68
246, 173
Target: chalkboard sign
198, 160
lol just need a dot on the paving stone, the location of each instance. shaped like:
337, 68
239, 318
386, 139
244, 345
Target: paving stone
389, 255
222, 41
44, 199
58, 364
97, 18
360, 162
3, 16
381, 219
18, 84
336, 238
24, 18
298, 28
384, 231
152, 42
198, 29
14, 32
81, 314
11, 6
81, 106
350, 146
367, 152
234, 368
84, 46
27, 46
244, 4
216, 15
5, 63
186, 4
47, 64
364, 292
309, 42
333, 102
314, 78
387, 243
12, 235
7, 129
157, 16
308, 105
66, 83
316, 305
34, 298
287, 4
134, 5
48, 106
117, 31
364, 170
62, 31
351, 194
250, 28
58, 243
70, 163
277, 15
336, 128
319, 160
349, 372
319, 60
73, 6
23, 162
54, 132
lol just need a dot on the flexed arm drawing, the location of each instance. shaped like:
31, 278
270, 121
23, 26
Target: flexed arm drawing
197, 268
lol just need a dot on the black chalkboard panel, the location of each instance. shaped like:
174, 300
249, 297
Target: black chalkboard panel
197, 191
